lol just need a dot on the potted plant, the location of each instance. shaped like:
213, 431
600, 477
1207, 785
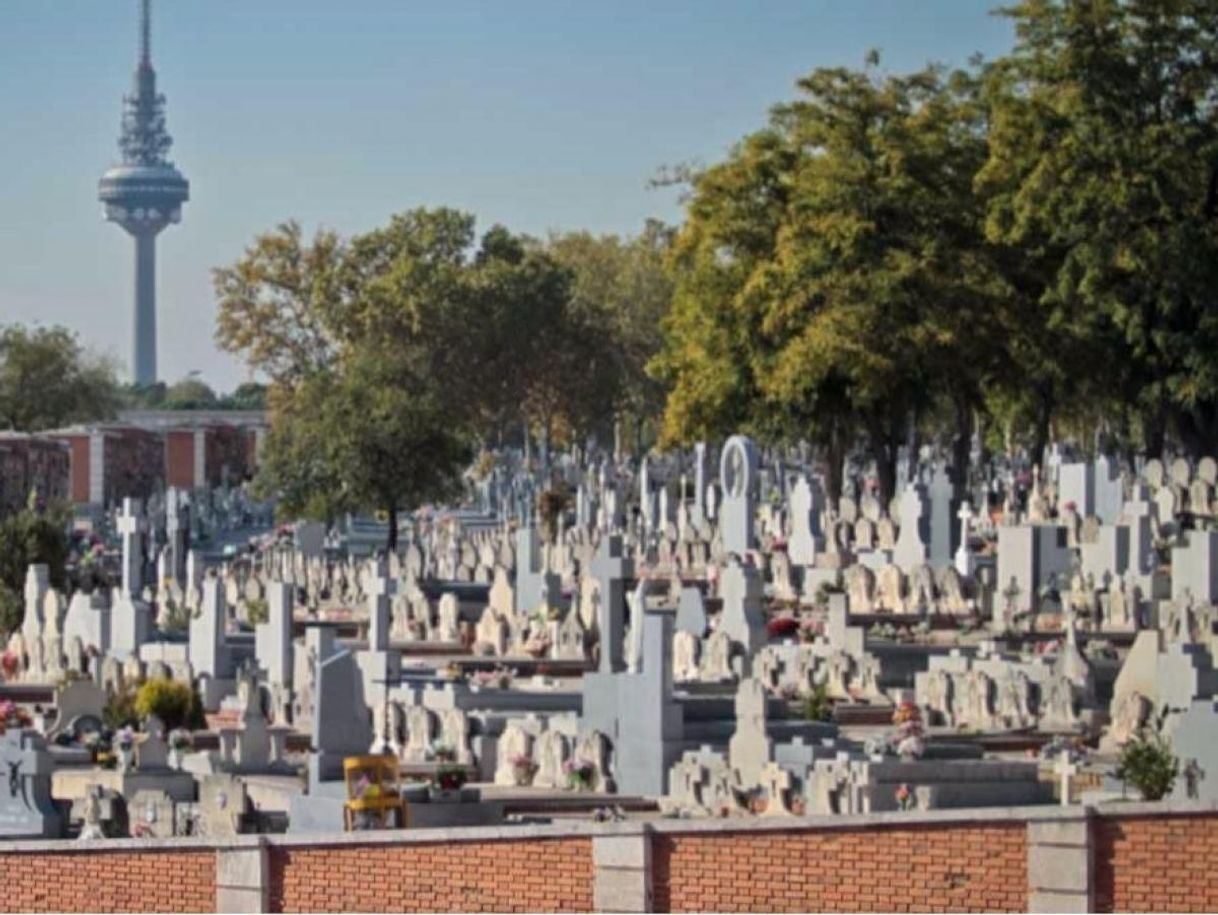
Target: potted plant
1148, 763
448, 781
904, 797
579, 774
523, 768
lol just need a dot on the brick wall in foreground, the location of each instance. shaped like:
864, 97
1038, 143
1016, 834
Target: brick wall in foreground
133, 880
1126, 857
541, 875
1155, 864
952, 867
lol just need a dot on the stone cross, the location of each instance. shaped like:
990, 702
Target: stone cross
611, 569
131, 526
963, 559
381, 588
1065, 769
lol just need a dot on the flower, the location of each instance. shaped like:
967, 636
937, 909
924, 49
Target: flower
903, 796
124, 739
781, 626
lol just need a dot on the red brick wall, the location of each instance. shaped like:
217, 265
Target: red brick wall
118, 881
538, 875
180, 458
1155, 864
950, 868
80, 466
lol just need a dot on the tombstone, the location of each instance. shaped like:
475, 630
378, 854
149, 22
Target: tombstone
805, 523
944, 532
381, 589
448, 626
750, 747
208, 652
553, 750
698, 510
1194, 568
26, 808
611, 568
911, 547
515, 744
273, 639
341, 723
685, 651
532, 581
691, 612
742, 618
738, 475
491, 634
177, 531
638, 713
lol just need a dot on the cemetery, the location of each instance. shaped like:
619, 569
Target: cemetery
677, 646
843, 539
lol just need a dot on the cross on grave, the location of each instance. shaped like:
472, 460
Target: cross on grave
611, 569
963, 556
381, 589
1065, 769
131, 526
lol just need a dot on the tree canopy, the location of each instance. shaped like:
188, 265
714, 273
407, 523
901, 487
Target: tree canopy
47, 380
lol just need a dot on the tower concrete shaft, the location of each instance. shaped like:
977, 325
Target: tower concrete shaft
144, 194
143, 343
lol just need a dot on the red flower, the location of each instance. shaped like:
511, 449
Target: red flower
781, 625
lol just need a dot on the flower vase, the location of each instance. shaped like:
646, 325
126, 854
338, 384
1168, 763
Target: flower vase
175, 758
124, 757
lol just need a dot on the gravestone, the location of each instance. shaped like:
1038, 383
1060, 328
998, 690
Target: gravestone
742, 618
26, 808
611, 569
638, 713
691, 612
738, 475
341, 723
911, 548
806, 507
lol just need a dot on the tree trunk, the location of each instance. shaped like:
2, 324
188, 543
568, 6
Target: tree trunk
961, 446
1040, 432
391, 540
835, 457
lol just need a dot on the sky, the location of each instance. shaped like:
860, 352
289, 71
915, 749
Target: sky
538, 114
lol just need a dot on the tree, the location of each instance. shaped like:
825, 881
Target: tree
365, 436
48, 381
831, 277
189, 394
621, 289
1103, 175
32, 535
362, 340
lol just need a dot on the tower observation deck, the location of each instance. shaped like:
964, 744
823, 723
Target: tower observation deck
143, 194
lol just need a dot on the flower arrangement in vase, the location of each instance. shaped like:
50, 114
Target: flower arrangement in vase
579, 774
523, 768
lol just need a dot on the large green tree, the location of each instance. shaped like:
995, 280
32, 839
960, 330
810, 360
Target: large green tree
832, 280
1103, 185
387, 352
47, 380
622, 291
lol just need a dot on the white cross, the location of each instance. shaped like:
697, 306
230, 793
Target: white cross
1065, 768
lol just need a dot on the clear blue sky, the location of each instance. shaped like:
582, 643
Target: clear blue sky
538, 114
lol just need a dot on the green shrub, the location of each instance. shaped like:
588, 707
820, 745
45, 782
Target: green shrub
257, 611
817, 705
1148, 763
176, 704
119, 710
